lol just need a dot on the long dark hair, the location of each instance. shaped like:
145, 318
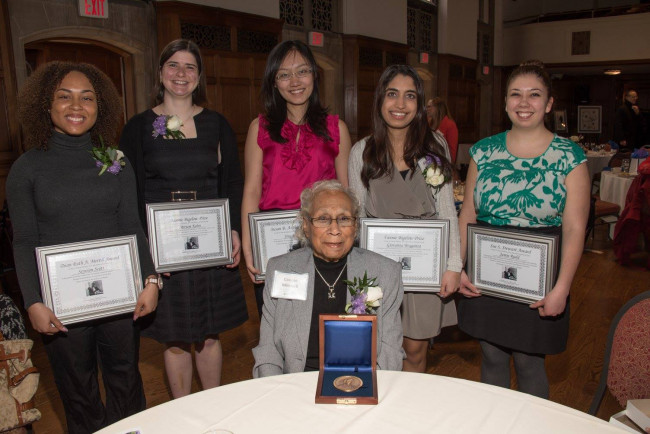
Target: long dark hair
199, 94
36, 96
275, 107
377, 161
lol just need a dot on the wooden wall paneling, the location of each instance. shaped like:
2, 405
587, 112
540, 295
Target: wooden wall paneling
360, 78
10, 140
499, 117
233, 73
458, 85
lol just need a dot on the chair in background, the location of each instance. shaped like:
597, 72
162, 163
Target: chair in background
617, 159
627, 355
602, 212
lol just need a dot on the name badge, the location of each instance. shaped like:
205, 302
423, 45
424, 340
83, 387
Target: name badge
291, 286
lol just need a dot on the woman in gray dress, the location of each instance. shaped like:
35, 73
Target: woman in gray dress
387, 172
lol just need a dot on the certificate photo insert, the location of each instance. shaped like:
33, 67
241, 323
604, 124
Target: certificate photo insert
419, 246
273, 233
89, 280
512, 264
191, 234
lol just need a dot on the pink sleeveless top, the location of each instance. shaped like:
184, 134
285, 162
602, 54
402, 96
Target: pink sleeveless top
290, 167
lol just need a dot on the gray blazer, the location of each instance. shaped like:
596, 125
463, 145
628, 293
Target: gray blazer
284, 328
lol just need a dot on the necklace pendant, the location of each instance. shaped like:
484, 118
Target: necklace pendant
331, 295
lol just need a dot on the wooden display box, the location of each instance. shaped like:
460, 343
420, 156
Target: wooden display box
348, 347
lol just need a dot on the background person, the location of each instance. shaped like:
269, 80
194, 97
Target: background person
328, 226
385, 174
532, 179
292, 144
629, 128
196, 305
55, 197
440, 120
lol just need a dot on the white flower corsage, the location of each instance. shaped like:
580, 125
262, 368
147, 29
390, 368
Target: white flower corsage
365, 295
108, 159
433, 175
168, 127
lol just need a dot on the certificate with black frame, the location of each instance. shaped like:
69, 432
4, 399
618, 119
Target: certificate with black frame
421, 247
91, 279
273, 233
189, 234
513, 264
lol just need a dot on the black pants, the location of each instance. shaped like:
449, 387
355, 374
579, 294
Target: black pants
74, 356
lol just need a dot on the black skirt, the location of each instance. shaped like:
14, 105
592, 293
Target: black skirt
514, 325
197, 304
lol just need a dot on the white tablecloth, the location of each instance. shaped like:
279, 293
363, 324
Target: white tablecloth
597, 161
614, 187
408, 403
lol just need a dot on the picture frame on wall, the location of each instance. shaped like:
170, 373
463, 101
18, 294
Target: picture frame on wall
560, 121
589, 119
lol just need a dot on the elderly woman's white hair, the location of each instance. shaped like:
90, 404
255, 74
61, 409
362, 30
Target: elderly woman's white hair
307, 200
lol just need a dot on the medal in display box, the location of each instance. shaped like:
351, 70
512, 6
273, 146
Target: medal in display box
348, 359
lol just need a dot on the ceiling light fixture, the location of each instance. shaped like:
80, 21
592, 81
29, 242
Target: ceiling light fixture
612, 71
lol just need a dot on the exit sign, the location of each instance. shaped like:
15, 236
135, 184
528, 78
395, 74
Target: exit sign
93, 8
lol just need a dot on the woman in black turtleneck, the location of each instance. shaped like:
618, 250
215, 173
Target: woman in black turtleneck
56, 196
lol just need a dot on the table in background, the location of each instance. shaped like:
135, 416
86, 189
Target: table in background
614, 187
408, 403
597, 161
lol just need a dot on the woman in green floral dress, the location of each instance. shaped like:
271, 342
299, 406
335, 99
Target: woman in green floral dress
526, 178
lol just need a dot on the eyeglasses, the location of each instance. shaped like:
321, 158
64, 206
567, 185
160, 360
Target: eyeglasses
301, 73
324, 221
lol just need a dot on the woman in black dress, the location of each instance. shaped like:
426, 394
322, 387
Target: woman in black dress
56, 197
196, 305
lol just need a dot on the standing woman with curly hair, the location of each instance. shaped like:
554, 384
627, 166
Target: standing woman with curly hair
292, 144
386, 173
55, 197
197, 304
527, 178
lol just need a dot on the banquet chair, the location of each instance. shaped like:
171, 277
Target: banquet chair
602, 211
625, 365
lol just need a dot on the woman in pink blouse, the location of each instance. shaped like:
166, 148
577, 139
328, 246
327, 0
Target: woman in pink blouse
292, 144
439, 119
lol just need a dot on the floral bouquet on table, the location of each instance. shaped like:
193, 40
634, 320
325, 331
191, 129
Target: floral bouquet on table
433, 175
168, 127
365, 295
107, 158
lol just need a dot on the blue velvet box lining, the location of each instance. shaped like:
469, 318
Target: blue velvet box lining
348, 351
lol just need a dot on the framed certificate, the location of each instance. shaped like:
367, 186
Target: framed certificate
273, 233
420, 246
189, 234
510, 263
92, 279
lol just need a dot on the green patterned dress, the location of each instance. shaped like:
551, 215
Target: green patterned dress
527, 193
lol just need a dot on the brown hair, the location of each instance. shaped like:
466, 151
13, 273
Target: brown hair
377, 159
441, 111
36, 96
199, 94
534, 67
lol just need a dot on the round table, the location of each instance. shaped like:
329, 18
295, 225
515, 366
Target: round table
597, 161
408, 403
614, 187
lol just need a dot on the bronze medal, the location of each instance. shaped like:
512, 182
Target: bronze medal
348, 383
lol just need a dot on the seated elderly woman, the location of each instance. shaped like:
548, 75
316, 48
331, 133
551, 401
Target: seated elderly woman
309, 281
